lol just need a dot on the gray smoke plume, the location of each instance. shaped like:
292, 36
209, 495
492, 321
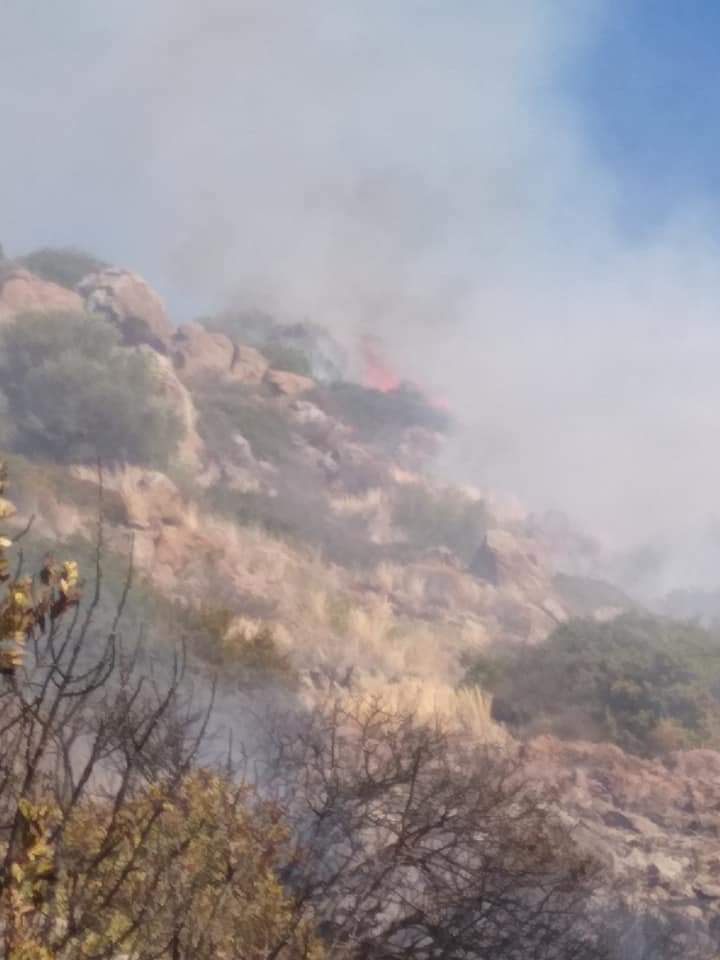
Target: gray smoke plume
415, 169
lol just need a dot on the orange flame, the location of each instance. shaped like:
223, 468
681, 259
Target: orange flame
377, 373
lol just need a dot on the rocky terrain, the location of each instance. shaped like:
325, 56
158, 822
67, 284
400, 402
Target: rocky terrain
502, 587
655, 824
301, 503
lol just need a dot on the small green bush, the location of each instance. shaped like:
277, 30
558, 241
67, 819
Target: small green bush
63, 265
282, 357
379, 416
228, 409
583, 595
249, 656
644, 683
440, 519
73, 394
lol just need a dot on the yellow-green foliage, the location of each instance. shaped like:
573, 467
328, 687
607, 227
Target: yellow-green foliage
192, 866
64, 265
27, 604
30, 873
246, 650
25, 607
184, 870
168, 865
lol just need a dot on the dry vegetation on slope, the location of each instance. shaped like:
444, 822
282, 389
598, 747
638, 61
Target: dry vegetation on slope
368, 830
284, 530
298, 510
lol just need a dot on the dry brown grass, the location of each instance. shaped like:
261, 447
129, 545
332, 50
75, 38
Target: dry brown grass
361, 505
407, 623
424, 583
464, 710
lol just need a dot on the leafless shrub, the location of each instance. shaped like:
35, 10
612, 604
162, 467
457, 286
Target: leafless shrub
412, 843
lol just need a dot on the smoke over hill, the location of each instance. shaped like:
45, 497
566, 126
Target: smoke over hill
417, 171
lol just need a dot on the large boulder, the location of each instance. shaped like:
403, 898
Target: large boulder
198, 352
22, 291
528, 607
248, 365
504, 558
131, 304
288, 384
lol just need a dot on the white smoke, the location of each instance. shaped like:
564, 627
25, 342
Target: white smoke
414, 168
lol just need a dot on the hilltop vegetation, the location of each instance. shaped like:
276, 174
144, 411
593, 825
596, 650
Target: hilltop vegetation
73, 394
381, 416
65, 266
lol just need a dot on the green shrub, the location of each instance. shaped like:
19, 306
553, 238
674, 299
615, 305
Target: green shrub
249, 656
643, 683
203, 628
583, 595
282, 357
228, 409
63, 265
378, 415
73, 394
440, 519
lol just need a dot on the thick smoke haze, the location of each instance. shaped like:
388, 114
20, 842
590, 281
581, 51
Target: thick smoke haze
416, 169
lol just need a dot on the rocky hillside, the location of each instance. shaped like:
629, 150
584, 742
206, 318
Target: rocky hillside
304, 497
293, 509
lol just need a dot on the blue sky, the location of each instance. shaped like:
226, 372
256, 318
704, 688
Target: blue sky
519, 197
647, 86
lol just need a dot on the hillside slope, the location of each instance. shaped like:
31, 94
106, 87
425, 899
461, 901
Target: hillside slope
296, 526
296, 501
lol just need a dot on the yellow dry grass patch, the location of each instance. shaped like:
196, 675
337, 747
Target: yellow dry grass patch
414, 623
467, 711
360, 505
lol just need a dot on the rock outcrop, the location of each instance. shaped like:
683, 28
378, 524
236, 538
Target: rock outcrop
505, 558
288, 384
22, 291
248, 365
131, 304
198, 352
654, 824
191, 446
